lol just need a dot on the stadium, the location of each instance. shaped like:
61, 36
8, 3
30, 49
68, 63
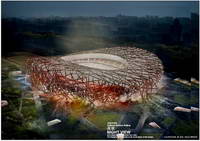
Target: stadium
102, 78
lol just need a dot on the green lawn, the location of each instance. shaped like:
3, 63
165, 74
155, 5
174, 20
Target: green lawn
182, 99
168, 121
101, 119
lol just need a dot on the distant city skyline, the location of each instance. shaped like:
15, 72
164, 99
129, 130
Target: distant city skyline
98, 8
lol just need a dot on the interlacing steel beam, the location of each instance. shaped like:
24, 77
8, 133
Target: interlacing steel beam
63, 81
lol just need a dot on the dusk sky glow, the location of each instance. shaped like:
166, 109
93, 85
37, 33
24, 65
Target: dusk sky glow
98, 8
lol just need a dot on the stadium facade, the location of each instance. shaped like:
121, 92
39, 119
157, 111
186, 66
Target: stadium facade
101, 78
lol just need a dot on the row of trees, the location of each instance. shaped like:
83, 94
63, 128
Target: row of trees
149, 29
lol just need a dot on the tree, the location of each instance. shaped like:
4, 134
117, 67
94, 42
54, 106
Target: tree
176, 31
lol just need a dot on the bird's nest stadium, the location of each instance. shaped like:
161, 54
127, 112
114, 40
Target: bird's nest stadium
102, 77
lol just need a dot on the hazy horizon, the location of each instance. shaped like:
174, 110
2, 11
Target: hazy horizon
39, 9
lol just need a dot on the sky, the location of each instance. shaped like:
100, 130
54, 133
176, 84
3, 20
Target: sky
26, 9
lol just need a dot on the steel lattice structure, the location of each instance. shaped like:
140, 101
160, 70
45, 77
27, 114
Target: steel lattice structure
101, 77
